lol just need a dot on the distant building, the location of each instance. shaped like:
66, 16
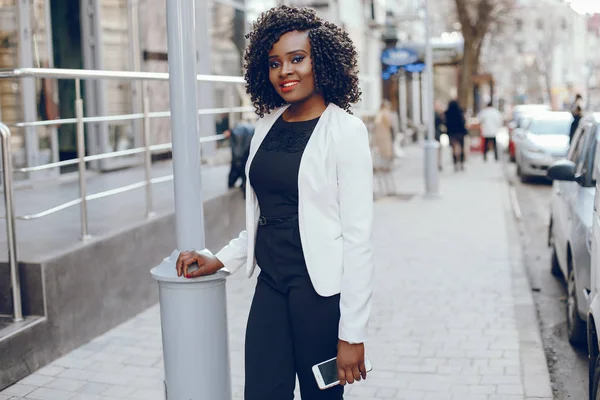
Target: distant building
538, 54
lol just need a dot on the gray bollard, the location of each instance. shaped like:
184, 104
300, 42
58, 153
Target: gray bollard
194, 334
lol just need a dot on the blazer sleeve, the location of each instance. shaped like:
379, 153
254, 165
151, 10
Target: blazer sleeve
234, 254
355, 189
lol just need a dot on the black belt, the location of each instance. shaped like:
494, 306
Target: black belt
277, 220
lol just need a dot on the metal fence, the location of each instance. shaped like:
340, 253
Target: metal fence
146, 150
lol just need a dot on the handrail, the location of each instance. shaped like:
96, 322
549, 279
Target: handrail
128, 117
80, 121
10, 222
65, 73
113, 154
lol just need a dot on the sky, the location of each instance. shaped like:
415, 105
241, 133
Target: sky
586, 6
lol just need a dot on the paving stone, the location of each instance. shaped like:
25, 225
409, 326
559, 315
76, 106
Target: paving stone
50, 394
18, 389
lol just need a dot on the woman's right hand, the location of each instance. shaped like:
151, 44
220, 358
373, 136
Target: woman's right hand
207, 264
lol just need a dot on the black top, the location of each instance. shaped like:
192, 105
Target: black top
274, 170
455, 122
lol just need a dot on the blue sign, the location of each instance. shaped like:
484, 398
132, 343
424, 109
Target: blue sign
399, 56
416, 67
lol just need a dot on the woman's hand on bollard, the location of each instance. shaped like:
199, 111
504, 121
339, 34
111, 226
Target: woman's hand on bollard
207, 264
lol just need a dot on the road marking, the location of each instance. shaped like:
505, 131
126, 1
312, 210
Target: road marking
514, 202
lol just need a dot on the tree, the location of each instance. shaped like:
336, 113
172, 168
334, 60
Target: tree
476, 18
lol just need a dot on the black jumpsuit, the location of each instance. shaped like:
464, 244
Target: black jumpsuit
290, 326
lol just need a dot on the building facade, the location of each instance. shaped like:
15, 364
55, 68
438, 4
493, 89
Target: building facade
539, 53
131, 35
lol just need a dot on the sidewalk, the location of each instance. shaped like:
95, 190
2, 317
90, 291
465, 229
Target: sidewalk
453, 317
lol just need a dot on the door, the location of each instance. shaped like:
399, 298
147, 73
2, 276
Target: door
580, 219
66, 40
563, 198
595, 240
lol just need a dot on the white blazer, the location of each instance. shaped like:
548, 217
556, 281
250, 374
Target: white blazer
335, 213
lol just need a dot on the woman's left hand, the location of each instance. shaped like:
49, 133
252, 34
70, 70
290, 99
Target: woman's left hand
351, 362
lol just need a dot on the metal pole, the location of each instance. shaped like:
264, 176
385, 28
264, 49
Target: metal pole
80, 157
431, 145
416, 104
193, 311
189, 216
135, 63
53, 129
205, 90
147, 153
403, 105
10, 222
28, 84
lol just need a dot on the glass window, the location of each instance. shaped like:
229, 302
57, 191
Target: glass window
550, 127
577, 145
596, 160
588, 151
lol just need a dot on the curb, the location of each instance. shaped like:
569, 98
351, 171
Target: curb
534, 366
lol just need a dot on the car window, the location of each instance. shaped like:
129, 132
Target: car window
596, 160
550, 126
577, 145
587, 160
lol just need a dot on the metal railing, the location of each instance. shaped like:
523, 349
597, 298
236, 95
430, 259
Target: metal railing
146, 149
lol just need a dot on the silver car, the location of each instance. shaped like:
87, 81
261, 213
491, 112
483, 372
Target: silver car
571, 218
544, 140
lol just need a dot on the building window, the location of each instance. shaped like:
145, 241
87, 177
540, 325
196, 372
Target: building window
540, 24
519, 23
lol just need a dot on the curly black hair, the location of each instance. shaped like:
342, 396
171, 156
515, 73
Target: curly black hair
333, 54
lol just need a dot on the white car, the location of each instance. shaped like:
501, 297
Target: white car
519, 119
570, 226
542, 142
592, 124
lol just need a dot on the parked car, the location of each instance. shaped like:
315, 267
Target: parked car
569, 232
592, 124
544, 140
518, 120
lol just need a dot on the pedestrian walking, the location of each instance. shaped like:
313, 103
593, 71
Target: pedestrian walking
386, 125
439, 130
239, 139
491, 122
577, 114
383, 136
456, 130
309, 209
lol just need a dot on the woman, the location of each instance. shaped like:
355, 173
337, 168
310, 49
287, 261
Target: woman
382, 137
309, 209
456, 130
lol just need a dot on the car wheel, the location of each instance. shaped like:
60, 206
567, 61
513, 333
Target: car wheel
595, 378
554, 265
576, 329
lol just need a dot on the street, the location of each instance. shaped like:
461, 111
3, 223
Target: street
568, 366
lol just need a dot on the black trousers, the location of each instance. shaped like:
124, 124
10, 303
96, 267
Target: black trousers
486, 144
290, 326
458, 149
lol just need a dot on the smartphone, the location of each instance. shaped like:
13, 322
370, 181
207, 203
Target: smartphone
326, 373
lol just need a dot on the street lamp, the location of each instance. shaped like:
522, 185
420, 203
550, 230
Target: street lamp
431, 145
